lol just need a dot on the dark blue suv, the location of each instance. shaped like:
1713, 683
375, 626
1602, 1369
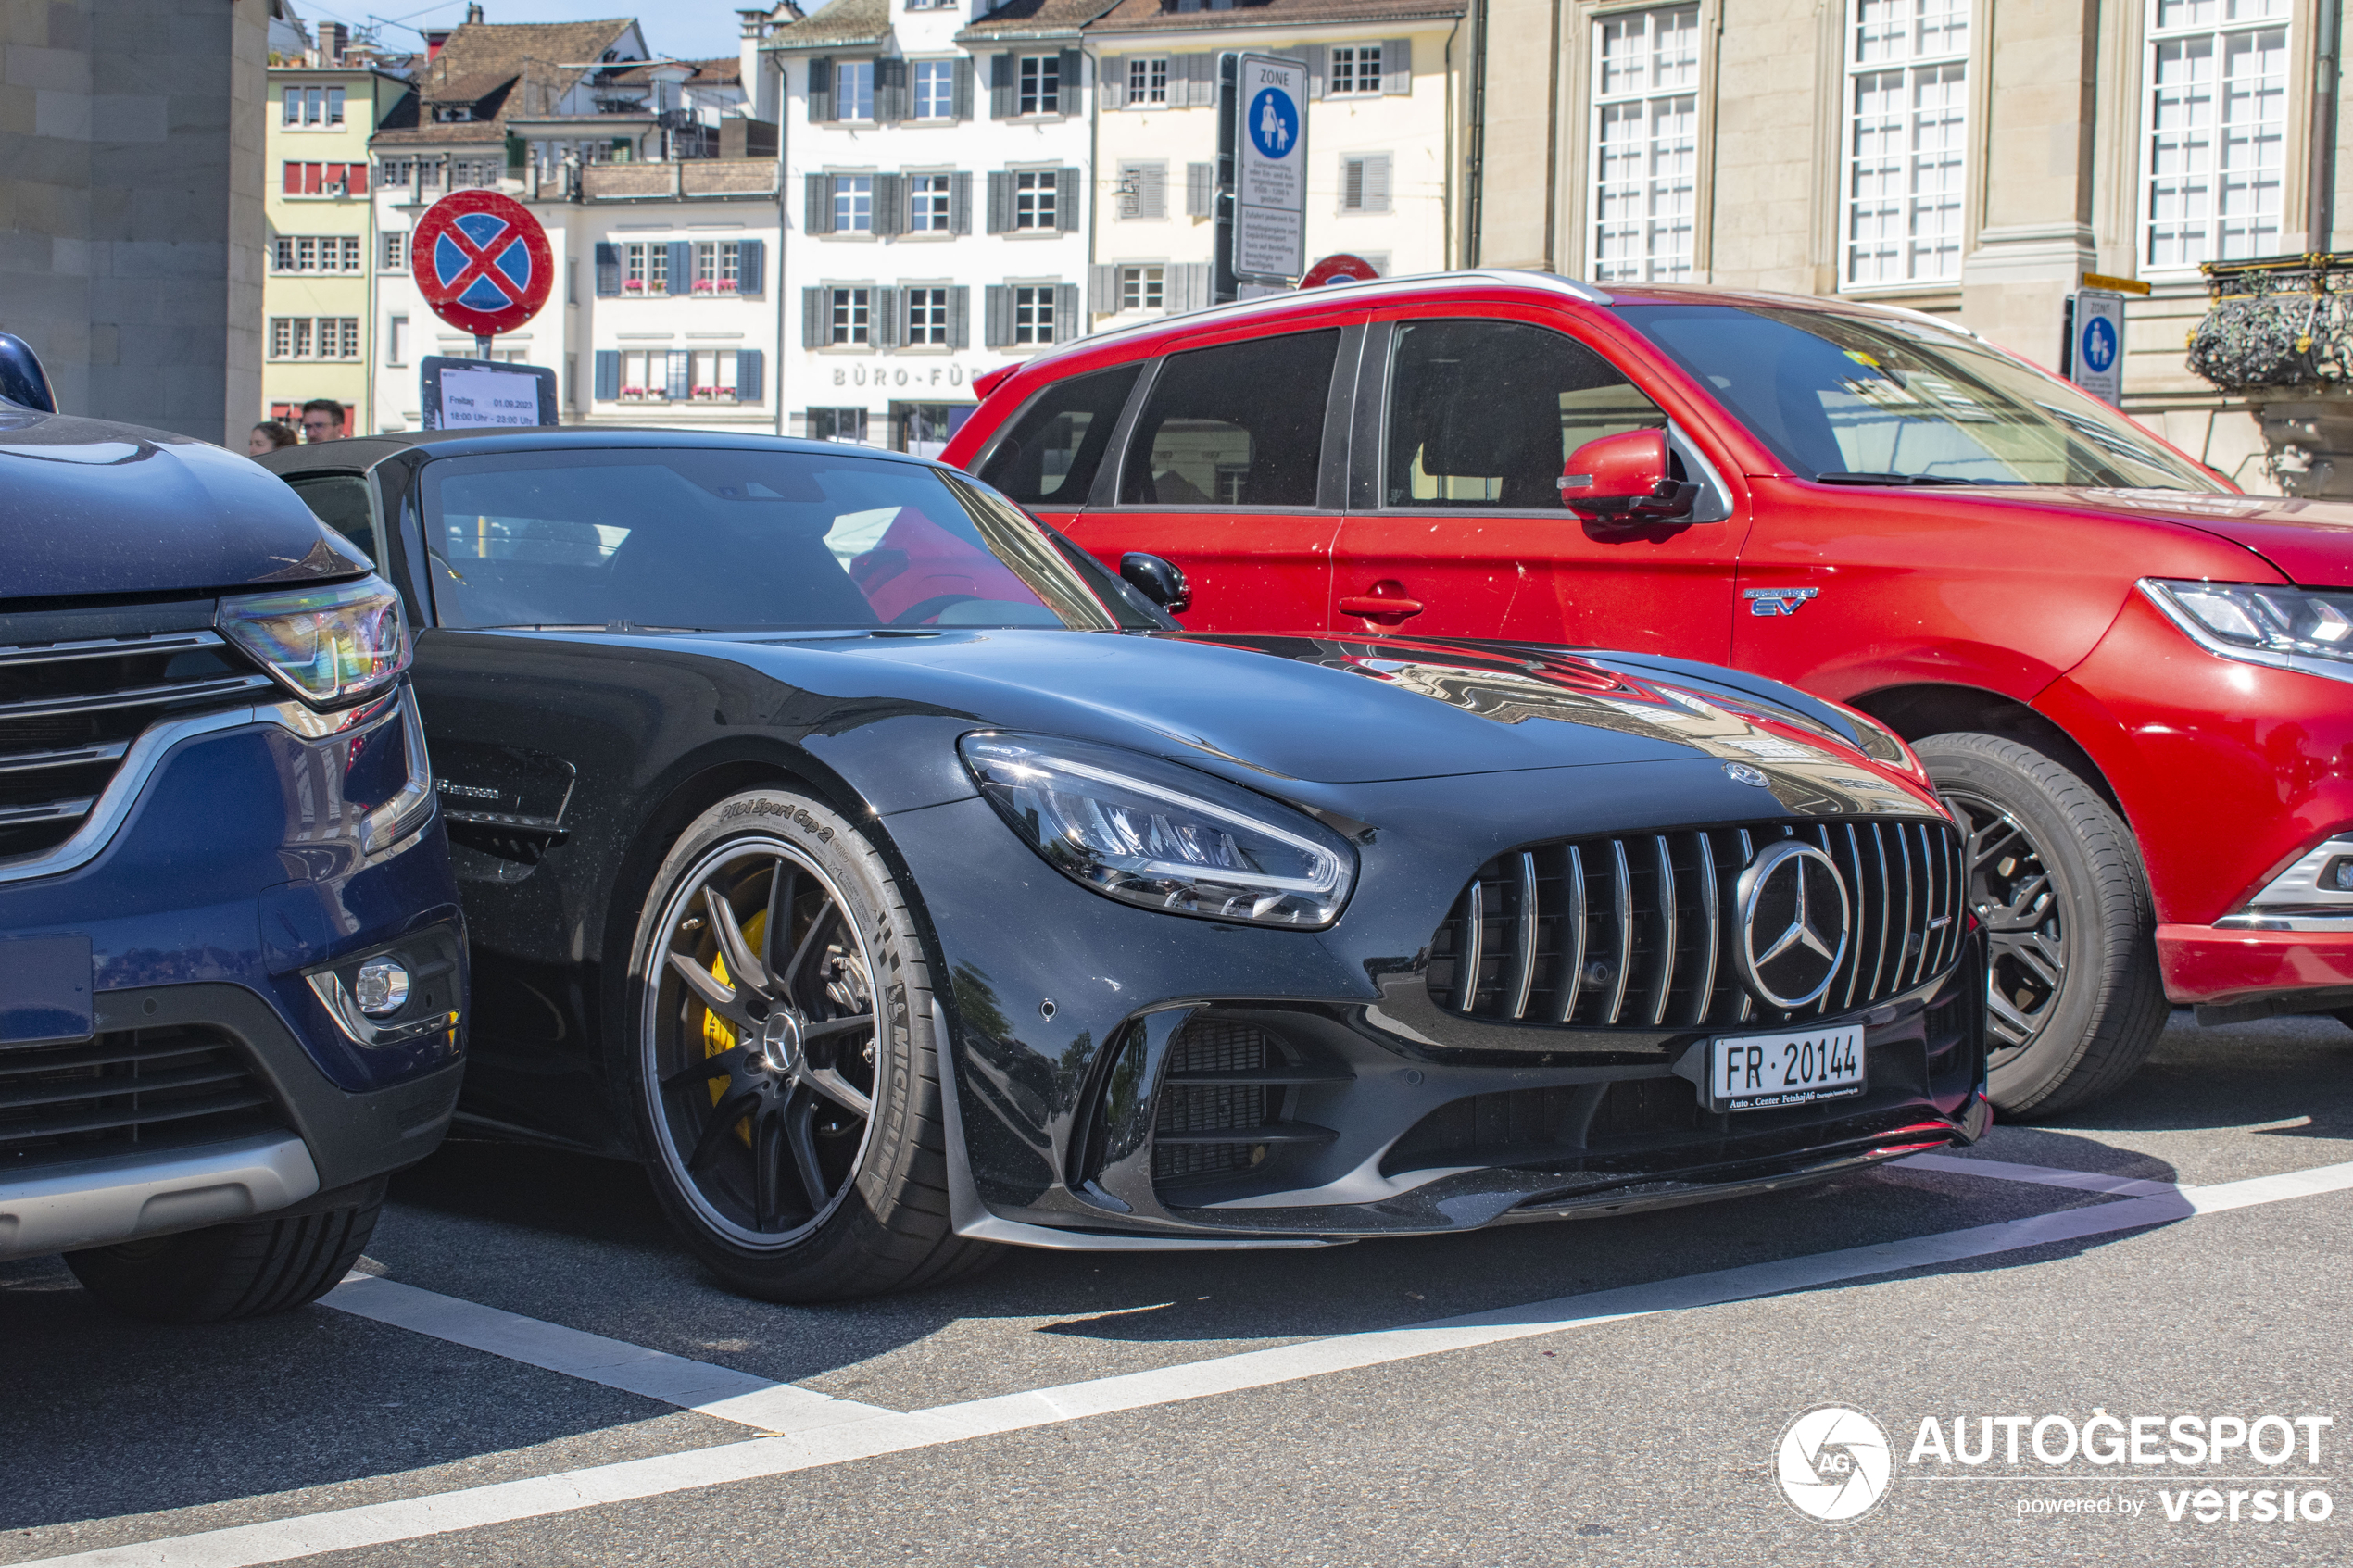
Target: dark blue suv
231, 964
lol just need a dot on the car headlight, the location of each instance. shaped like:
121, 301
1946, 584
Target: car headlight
1163, 836
330, 646
2305, 629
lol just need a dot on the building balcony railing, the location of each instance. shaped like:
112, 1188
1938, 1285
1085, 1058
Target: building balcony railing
684, 178
2284, 322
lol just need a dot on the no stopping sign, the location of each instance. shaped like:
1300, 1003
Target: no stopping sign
481, 261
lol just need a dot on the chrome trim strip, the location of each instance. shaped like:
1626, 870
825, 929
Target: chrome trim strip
1855, 859
72, 756
109, 648
1527, 933
393, 821
139, 763
1466, 966
1573, 982
1624, 906
134, 696
1748, 853
47, 811
1666, 916
1715, 928
94, 1202
1887, 912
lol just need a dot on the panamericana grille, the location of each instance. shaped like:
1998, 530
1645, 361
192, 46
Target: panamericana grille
1222, 1097
122, 1090
1638, 932
70, 710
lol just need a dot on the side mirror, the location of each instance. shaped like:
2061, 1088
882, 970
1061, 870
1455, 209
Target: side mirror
1622, 478
22, 381
1158, 581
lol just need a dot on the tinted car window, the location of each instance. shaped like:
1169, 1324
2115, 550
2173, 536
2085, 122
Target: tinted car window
1879, 399
1485, 413
1238, 425
1049, 455
341, 502
729, 540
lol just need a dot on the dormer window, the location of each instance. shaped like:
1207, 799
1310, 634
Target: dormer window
453, 114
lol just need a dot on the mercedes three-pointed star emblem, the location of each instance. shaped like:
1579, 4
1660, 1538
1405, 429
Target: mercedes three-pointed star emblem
1795, 920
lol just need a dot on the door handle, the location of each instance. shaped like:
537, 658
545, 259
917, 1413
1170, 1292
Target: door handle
1390, 608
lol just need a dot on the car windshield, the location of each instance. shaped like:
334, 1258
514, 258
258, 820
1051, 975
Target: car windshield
730, 541
1877, 400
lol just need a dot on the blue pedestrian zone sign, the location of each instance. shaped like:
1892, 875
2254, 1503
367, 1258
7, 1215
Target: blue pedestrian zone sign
2099, 344
2095, 354
1274, 122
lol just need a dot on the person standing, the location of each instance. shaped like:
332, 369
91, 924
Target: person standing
322, 420
272, 435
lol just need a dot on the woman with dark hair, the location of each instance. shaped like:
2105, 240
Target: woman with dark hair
268, 436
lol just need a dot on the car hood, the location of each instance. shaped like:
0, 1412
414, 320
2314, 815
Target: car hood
2309, 541
1341, 710
91, 507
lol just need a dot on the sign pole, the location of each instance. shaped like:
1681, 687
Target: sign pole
482, 346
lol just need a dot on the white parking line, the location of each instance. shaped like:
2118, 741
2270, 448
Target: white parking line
696, 1386
281, 1540
2041, 1175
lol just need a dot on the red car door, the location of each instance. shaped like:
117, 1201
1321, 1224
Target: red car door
1456, 527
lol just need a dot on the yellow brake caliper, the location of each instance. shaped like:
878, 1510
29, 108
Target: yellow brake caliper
718, 1035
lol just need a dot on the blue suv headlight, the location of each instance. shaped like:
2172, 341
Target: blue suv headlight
332, 646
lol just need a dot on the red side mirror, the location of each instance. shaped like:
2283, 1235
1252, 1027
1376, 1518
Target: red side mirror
1623, 478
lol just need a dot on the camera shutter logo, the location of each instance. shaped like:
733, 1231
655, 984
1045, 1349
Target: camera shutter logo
1833, 1464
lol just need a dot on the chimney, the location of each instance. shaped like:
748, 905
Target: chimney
333, 39
474, 15
435, 38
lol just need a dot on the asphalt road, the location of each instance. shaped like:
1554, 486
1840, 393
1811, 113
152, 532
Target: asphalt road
1598, 1391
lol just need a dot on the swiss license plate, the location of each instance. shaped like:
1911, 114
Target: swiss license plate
1755, 1072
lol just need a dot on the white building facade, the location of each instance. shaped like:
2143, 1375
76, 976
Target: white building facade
937, 182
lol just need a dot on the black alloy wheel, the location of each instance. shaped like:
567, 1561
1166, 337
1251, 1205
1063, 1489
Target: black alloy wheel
2073, 1001
787, 1076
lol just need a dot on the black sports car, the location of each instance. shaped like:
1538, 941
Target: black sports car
893, 880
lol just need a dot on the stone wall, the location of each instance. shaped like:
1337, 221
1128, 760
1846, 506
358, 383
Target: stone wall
130, 205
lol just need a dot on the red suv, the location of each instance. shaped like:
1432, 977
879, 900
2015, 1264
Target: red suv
2127, 677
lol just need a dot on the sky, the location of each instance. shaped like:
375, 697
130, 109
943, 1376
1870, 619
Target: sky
690, 29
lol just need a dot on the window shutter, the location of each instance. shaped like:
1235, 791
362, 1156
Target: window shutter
1397, 67
607, 273
963, 89
1201, 190
819, 217
751, 267
682, 266
1151, 189
1317, 56
1102, 290
1351, 184
1376, 183
1000, 87
813, 319
889, 189
960, 202
997, 329
885, 318
1001, 201
1071, 81
1201, 80
680, 384
820, 91
1188, 286
1066, 186
608, 374
1110, 82
890, 91
960, 317
751, 374
1066, 312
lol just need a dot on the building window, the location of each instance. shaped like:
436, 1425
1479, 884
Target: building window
1645, 143
1143, 288
1907, 128
852, 317
474, 174
1363, 182
927, 318
711, 375
1034, 199
645, 267
645, 375
1033, 314
717, 265
396, 257
2217, 118
324, 180
1353, 72
1142, 189
1040, 86
854, 90
934, 89
927, 204
316, 253
853, 204
397, 340
313, 109
322, 337
838, 424
1147, 81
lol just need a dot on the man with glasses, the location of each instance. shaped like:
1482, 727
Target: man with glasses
321, 420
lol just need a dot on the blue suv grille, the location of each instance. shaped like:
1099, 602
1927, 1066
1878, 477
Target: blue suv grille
125, 1089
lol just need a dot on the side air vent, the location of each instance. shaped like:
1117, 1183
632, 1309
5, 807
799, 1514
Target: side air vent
1223, 1101
124, 1090
1638, 932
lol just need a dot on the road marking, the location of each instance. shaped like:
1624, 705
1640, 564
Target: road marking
696, 1386
246, 1545
2041, 1175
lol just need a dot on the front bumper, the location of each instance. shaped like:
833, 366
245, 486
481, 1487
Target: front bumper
2253, 972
